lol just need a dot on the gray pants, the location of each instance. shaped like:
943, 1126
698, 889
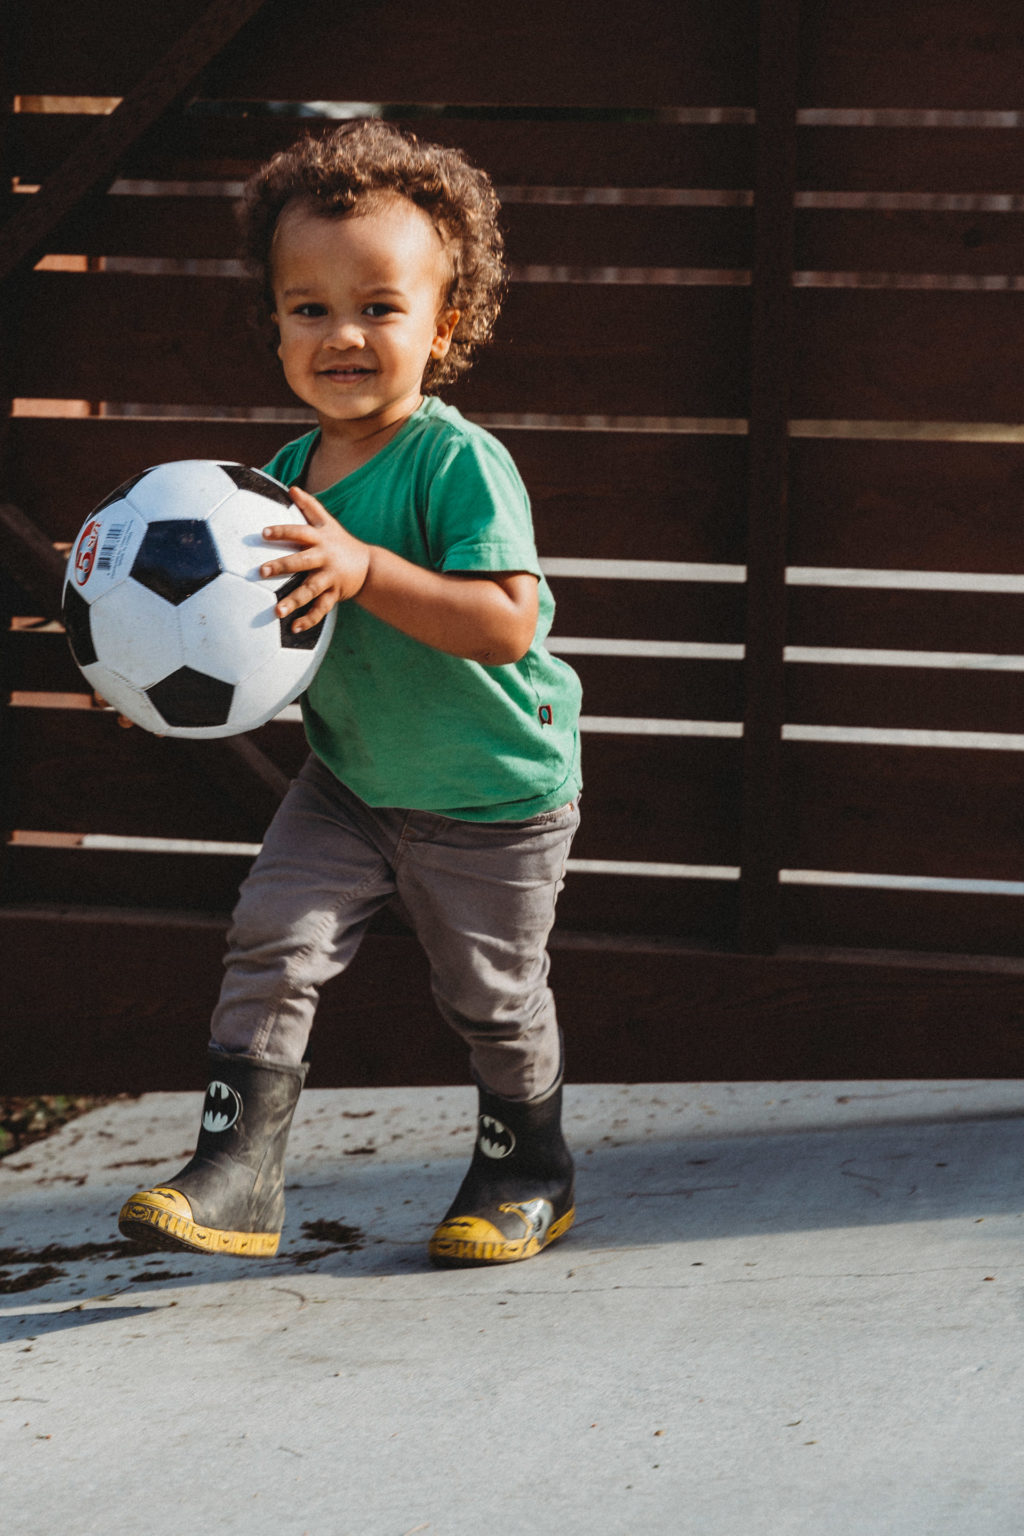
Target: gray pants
479, 895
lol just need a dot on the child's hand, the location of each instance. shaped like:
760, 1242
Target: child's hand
97, 701
336, 562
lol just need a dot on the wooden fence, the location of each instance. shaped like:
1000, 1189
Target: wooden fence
760, 366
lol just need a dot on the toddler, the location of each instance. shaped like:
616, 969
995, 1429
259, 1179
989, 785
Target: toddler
444, 763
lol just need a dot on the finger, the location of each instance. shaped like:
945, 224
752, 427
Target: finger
308, 505
302, 595
316, 613
287, 565
291, 533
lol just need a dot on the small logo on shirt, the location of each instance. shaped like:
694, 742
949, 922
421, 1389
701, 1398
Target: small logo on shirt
544, 714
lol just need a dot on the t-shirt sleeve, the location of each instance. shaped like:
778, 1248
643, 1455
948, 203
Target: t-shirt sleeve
478, 511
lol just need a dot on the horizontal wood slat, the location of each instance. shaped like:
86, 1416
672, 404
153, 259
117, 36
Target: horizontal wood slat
989, 622
864, 240
100, 877
649, 610
518, 152
907, 698
697, 911
633, 495
833, 158
894, 810
76, 771
952, 506
661, 688
687, 1017
700, 51
563, 235
923, 54
916, 356
950, 922
567, 153
569, 348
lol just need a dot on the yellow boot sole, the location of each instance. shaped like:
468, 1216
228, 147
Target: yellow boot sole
465, 1240
162, 1218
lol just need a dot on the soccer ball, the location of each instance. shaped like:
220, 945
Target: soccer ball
165, 610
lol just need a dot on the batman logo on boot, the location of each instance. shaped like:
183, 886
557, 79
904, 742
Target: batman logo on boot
221, 1108
496, 1139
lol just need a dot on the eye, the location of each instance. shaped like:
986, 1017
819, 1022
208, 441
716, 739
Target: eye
378, 310
310, 310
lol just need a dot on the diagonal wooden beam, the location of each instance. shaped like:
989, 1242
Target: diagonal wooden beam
28, 556
92, 166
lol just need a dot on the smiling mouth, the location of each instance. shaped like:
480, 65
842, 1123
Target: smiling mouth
345, 373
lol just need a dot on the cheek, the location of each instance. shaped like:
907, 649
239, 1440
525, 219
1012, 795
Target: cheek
286, 350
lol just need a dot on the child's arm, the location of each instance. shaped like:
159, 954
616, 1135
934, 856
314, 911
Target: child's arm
490, 619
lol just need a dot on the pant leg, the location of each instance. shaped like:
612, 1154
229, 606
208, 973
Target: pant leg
481, 897
322, 873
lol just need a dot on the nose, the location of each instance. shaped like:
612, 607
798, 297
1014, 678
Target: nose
344, 335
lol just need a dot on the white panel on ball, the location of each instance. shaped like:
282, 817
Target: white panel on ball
263, 682
241, 609
128, 701
136, 634
237, 526
105, 549
186, 488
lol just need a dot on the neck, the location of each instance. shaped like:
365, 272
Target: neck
341, 450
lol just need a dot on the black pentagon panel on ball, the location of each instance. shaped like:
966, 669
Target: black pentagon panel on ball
190, 698
78, 627
306, 639
254, 480
121, 492
176, 558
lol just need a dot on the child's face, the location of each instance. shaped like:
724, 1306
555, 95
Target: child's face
359, 310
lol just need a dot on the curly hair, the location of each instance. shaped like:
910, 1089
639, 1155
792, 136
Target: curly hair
364, 160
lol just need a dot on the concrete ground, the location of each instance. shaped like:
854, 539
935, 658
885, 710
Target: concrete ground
784, 1309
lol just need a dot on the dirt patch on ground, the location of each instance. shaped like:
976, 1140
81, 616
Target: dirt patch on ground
28, 1119
30, 1280
42, 1265
62, 1253
338, 1237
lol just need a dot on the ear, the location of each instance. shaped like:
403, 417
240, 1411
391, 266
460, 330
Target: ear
444, 330
277, 328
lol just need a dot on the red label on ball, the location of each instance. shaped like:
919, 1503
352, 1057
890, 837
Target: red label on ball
85, 551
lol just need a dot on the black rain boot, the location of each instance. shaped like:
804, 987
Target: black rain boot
230, 1197
518, 1194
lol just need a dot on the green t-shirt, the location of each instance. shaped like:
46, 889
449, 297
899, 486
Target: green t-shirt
403, 724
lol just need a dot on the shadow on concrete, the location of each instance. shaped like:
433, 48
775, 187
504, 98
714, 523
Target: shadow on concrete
38, 1325
663, 1189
